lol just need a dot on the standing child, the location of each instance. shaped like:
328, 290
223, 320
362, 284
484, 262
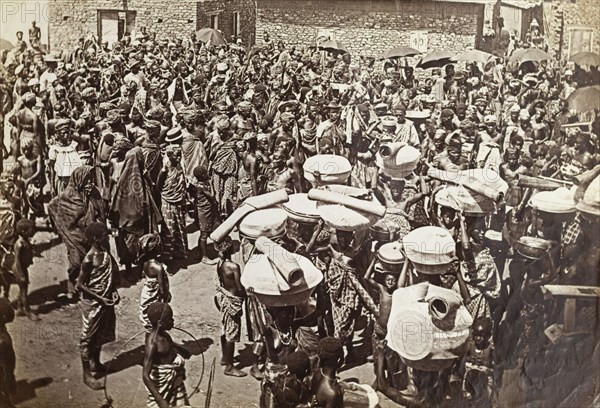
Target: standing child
229, 299
31, 180
23, 260
164, 365
156, 282
207, 211
385, 361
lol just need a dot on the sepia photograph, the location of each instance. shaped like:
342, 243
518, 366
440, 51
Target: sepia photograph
299, 204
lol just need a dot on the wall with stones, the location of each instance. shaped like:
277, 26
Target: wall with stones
369, 27
225, 10
568, 14
71, 19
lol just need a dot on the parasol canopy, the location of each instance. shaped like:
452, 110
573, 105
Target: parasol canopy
586, 58
529, 54
585, 99
474, 56
210, 35
400, 52
437, 59
5, 44
333, 46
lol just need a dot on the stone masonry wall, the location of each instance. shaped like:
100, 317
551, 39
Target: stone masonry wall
582, 13
72, 19
225, 10
370, 28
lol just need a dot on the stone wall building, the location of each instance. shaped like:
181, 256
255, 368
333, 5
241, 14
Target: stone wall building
111, 19
572, 26
371, 27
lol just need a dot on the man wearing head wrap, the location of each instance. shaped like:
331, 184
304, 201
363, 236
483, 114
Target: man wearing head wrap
334, 128
156, 278
192, 146
243, 120
151, 150
172, 186
30, 126
63, 157
285, 131
71, 212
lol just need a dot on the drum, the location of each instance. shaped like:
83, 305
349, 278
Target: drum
269, 223
397, 161
559, 201
332, 169
301, 209
428, 326
430, 249
533, 247
343, 218
391, 258
463, 199
260, 274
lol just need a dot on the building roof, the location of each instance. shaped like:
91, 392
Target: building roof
521, 4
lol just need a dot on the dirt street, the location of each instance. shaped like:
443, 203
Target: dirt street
48, 365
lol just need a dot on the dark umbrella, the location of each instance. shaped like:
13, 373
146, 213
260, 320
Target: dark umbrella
474, 56
529, 54
210, 34
585, 99
5, 44
399, 52
333, 46
437, 59
586, 58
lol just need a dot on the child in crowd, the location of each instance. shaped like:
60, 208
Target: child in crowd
156, 278
164, 364
207, 211
23, 260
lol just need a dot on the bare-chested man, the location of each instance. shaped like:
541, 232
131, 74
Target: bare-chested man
250, 184
284, 131
31, 180
30, 126
281, 175
229, 299
243, 122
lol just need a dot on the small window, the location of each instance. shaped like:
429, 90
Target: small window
236, 24
214, 21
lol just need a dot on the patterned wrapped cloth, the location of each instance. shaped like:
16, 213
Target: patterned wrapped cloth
71, 212
224, 171
231, 310
194, 154
133, 207
99, 320
483, 283
168, 379
150, 294
345, 291
174, 237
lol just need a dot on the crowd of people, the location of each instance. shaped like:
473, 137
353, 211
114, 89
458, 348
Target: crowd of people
136, 140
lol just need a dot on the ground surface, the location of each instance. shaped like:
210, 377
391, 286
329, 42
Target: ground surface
48, 365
